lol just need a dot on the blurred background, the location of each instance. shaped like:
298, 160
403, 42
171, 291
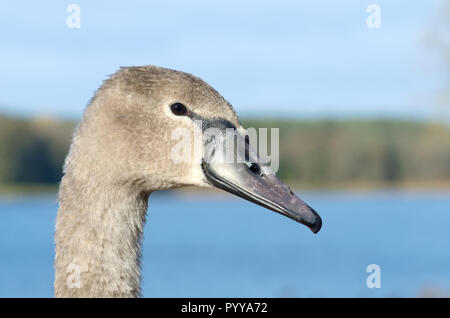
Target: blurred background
363, 113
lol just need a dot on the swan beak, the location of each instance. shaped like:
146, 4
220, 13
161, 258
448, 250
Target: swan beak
263, 189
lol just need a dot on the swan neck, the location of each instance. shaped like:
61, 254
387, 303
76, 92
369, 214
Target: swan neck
98, 239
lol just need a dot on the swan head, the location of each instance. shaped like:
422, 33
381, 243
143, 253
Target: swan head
153, 128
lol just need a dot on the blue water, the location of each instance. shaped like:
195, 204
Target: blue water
222, 247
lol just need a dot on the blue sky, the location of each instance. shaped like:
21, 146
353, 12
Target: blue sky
289, 58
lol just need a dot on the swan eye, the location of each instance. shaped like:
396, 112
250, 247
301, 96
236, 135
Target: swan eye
178, 109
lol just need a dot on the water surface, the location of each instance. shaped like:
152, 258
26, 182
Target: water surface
200, 246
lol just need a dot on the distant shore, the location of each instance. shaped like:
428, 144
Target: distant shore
344, 154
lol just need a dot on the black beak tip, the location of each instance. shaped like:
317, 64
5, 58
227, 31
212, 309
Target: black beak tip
315, 228
317, 225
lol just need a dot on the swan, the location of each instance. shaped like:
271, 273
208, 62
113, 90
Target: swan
121, 153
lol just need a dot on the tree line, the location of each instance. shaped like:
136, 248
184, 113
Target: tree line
313, 153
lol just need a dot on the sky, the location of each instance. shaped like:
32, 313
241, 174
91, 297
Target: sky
284, 58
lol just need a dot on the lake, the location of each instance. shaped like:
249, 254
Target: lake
218, 246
